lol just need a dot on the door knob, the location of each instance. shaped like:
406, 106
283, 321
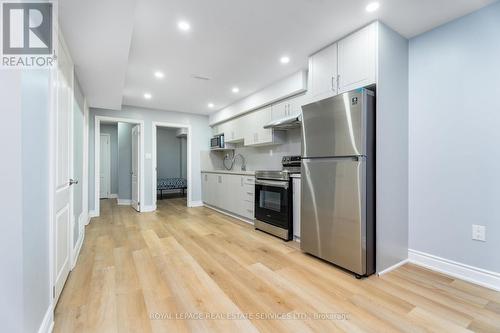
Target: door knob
73, 182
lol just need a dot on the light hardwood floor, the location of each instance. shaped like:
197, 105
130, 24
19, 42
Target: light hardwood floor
137, 272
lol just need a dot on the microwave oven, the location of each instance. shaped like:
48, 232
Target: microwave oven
217, 142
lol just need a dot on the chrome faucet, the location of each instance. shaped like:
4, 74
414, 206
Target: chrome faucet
243, 162
232, 160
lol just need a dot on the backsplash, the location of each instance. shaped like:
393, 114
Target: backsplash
257, 158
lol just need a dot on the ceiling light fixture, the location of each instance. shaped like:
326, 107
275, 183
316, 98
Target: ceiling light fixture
211, 105
147, 96
285, 60
372, 7
159, 75
184, 26
235, 90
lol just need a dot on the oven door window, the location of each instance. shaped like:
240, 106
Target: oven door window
271, 205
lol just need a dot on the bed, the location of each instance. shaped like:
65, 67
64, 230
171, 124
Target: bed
165, 184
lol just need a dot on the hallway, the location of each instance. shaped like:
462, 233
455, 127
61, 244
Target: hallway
136, 267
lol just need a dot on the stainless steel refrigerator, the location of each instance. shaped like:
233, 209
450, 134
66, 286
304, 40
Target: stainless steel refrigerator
338, 181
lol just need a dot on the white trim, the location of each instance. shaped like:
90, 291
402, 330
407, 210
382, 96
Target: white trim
393, 267
113, 196
75, 251
196, 204
465, 272
155, 125
97, 136
48, 320
148, 209
230, 214
124, 202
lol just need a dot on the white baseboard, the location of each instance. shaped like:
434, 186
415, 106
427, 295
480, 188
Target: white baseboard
76, 250
113, 196
230, 214
93, 213
124, 202
48, 321
148, 209
393, 267
465, 272
193, 204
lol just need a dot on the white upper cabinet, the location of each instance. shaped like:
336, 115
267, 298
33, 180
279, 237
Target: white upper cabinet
256, 133
323, 74
233, 130
357, 56
288, 108
280, 110
346, 65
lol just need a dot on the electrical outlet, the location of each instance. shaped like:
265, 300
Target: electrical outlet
479, 232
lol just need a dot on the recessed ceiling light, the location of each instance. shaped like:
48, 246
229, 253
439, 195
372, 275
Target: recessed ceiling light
147, 96
285, 60
184, 26
159, 75
211, 105
372, 7
235, 90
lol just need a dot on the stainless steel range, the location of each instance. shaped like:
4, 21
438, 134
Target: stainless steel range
273, 199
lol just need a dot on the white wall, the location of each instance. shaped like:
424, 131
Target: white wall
11, 227
24, 228
200, 141
454, 139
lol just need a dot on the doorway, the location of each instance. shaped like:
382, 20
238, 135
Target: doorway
171, 167
120, 177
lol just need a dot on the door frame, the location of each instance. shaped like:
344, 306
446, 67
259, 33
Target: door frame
97, 153
109, 169
154, 176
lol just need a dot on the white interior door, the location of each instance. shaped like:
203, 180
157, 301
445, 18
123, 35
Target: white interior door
136, 134
62, 152
105, 166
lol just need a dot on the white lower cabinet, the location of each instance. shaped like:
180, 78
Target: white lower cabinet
232, 193
296, 208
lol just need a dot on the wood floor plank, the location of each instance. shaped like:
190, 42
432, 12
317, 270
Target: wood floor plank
166, 271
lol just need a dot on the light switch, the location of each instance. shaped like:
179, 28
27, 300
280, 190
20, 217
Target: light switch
479, 232
148, 156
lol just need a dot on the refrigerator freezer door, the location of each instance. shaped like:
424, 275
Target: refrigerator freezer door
333, 202
336, 126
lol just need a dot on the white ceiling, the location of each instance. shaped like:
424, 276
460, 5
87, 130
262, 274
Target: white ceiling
117, 45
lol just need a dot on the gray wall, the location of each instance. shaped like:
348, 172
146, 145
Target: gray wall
112, 130
35, 162
11, 204
78, 124
454, 139
200, 141
169, 153
392, 149
183, 157
124, 161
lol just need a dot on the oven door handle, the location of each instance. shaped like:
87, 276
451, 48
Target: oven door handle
272, 183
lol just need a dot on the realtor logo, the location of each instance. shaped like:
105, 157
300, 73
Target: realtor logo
27, 34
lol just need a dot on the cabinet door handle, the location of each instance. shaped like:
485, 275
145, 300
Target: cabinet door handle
333, 84
338, 81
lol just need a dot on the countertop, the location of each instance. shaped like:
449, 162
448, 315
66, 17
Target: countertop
231, 172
